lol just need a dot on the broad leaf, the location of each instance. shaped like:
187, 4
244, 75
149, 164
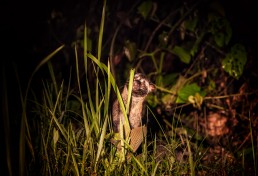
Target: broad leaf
182, 54
130, 50
191, 24
187, 91
221, 30
145, 9
235, 61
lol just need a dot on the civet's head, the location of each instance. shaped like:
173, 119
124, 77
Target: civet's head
141, 86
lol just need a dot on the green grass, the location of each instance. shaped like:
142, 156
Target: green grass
67, 131
73, 133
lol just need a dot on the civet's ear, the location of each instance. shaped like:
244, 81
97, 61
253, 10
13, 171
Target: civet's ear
152, 87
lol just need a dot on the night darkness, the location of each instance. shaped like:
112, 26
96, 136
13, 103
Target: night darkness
26, 39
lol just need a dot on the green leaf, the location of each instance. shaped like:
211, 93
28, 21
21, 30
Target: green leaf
169, 79
188, 90
191, 24
130, 50
182, 54
235, 61
145, 8
221, 30
196, 44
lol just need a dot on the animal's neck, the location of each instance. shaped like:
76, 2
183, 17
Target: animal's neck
134, 99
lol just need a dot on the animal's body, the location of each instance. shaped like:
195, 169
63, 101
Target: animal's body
140, 89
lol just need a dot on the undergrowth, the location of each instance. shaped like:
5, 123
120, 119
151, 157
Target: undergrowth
66, 125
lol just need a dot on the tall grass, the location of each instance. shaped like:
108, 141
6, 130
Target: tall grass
254, 148
71, 134
74, 132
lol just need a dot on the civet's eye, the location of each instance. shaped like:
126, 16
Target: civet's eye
136, 82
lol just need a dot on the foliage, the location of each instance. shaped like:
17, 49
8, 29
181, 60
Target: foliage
187, 51
235, 61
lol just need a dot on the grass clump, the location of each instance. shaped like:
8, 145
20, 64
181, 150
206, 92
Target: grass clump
66, 124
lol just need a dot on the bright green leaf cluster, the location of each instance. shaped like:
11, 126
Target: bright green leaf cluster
235, 61
187, 91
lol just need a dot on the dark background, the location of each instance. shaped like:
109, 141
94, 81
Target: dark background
26, 39
25, 33
26, 36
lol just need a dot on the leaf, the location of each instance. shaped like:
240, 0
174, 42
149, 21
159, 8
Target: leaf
182, 54
191, 24
235, 61
130, 50
196, 44
221, 30
187, 91
196, 100
145, 8
171, 98
169, 79
55, 136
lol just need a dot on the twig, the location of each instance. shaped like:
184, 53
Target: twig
182, 18
226, 96
157, 28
